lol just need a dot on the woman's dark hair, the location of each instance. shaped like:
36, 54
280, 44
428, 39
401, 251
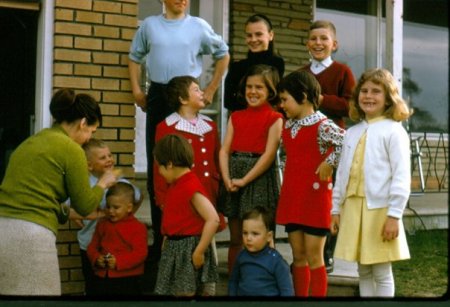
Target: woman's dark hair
270, 76
266, 20
178, 88
300, 83
175, 149
66, 106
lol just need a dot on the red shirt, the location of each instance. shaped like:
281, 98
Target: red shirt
126, 240
205, 142
179, 217
337, 84
251, 128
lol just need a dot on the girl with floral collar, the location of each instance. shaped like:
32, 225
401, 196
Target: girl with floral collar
313, 144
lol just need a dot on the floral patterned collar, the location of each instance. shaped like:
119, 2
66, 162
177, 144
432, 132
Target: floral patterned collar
296, 124
201, 127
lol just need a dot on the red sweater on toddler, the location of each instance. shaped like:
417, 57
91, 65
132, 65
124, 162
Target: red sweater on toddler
126, 240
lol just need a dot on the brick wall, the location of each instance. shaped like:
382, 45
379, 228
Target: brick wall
290, 20
91, 43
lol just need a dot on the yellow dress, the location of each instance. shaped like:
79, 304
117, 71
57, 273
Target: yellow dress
360, 230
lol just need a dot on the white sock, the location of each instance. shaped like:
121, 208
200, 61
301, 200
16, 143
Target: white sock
384, 279
366, 283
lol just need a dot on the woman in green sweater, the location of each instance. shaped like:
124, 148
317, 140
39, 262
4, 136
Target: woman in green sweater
43, 172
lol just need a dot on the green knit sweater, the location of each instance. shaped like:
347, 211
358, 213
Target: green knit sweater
44, 171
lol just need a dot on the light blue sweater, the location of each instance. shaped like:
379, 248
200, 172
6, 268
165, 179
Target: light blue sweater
175, 47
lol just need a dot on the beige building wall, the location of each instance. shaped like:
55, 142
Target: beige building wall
91, 43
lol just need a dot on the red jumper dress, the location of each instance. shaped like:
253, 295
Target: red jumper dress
304, 198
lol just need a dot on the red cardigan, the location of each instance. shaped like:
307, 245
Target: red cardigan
337, 82
126, 240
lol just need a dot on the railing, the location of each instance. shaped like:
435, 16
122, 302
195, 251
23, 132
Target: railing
429, 162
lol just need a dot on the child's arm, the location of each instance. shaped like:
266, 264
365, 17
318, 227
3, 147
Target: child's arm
224, 157
93, 250
284, 280
400, 167
207, 211
335, 221
136, 238
330, 136
338, 105
267, 158
233, 281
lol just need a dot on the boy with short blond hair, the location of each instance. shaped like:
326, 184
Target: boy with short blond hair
100, 159
336, 79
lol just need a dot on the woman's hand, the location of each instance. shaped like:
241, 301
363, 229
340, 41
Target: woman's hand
108, 179
334, 227
390, 229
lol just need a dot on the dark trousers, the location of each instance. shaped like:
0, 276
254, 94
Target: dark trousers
330, 244
88, 273
157, 110
121, 286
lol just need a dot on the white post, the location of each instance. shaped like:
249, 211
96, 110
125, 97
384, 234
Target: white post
44, 66
394, 39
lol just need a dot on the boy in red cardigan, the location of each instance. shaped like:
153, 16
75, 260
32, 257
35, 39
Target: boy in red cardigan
119, 246
336, 81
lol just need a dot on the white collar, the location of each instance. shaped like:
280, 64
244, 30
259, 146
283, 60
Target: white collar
319, 66
296, 124
200, 128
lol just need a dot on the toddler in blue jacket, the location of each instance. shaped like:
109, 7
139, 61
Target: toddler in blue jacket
259, 270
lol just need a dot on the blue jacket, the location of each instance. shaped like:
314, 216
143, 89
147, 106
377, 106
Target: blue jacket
265, 273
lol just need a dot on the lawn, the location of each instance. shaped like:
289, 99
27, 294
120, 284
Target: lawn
426, 273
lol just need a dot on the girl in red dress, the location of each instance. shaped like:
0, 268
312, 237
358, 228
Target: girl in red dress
189, 223
247, 156
312, 143
186, 97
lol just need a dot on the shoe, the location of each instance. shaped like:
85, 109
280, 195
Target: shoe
329, 265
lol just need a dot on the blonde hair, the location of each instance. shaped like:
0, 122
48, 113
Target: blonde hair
395, 108
92, 144
323, 24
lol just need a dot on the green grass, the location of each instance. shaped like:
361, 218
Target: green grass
426, 273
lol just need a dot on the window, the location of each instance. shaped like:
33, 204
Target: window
425, 51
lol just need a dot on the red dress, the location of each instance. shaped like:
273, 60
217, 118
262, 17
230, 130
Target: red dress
304, 198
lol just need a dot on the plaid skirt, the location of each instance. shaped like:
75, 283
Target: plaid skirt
177, 275
263, 191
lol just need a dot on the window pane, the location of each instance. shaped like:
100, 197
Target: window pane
425, 61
